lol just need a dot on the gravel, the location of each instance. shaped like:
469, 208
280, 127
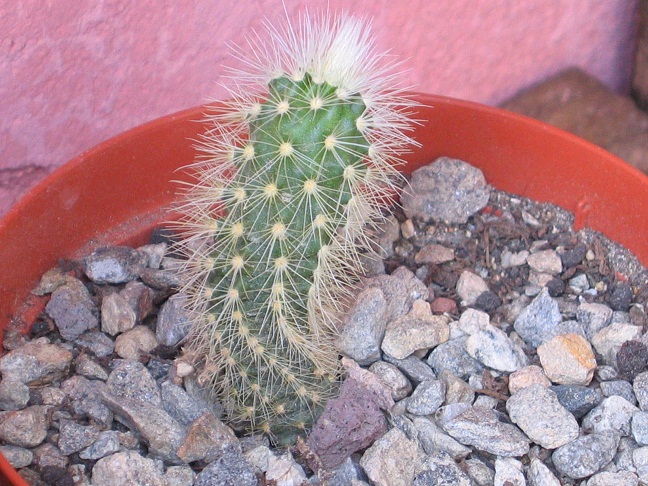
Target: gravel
503, 348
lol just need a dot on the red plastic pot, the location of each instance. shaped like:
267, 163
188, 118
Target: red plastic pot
118, 191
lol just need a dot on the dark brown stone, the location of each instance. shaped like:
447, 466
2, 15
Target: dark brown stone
578, 103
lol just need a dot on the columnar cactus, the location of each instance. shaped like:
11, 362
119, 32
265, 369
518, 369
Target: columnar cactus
285, 198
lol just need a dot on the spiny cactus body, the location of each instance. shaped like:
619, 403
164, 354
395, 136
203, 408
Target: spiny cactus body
280, 213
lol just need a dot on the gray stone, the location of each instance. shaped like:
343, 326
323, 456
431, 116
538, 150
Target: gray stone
621, 478
85, 398
36, 363
446, 190
545, 261
537, 411
613, 413
540, 475
131, 379
586, 455
609, 340
24, 428
284, 470
408, 334
439, 469
469, 287
18, 457
154, 254
594, 316
46, 455
538, 319
618, 387
456, 390
640, 387
97, 342
73, 437
384, 461
117, 315
432, 439
127, 467
481, 428
207, 439
158, 429
640, 461
364, 328
494, 349
14, 394
179, 476
173, 322
106, 443
84, 365
132, 343
508, 472
639, 427
413, 367
452, 356
397, 382
427, 397
578, 399
400, 289
231, 469
480, 473
113, 265
72, 309
568, 359
182, 406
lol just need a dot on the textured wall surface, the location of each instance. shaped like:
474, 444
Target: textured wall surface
76, 73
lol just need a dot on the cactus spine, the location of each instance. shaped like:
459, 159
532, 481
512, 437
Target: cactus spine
280, 213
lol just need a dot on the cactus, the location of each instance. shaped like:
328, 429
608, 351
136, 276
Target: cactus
286, 194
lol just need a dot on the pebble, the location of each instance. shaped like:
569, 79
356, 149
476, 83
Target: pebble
400, 290
97, 343
173, 321
586, 455
537, 411
117, 315
72, 309
113, 265
608, 341
493, 348
452, 356
413, 367
408, 334
364, 327
612, 414
639, 427
457, 390
579, 284
127, 467
14, 394
86, 366
397, 382
18, 457
618, 387
284, 471
154, 254
508, 472
433, 254
130, 379
432, 439
384, 463
546, 261
36, 363
179, 476
568, 359
49, 456
640, 387
207, 438
640, 461
527, 376
606, 478
24, 428
73, 437
106, 443
440, 470
182, 406
538, 319
443, 305
479, 473
594, 316
140, 339
446, 190
621, 297
482, 429
427, 397
540, 475
469, 287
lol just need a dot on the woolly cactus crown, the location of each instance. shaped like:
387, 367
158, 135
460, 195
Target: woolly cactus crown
287, 190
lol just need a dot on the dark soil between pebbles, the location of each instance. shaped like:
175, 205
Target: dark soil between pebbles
114, 403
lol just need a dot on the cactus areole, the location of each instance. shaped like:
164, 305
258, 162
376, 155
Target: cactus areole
286, 195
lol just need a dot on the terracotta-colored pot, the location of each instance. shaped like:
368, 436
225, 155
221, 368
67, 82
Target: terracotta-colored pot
118, 191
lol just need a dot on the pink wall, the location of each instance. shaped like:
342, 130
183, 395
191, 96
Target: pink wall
73, 73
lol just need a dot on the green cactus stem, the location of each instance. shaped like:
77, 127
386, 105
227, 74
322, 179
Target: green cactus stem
281, 211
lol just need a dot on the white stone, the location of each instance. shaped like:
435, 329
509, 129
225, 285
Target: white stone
546, 261
469, 287
609, 340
